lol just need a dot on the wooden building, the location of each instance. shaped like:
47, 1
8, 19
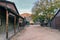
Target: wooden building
55, 22
9, 16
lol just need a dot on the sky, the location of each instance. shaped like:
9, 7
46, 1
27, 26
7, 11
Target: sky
24, 5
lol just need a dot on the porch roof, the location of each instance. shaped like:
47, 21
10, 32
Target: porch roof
16, 13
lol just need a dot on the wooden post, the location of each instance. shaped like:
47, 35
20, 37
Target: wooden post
18, 25
14, 24
6, 24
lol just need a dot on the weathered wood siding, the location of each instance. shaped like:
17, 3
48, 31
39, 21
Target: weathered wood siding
57, 20
2, 27
55, 23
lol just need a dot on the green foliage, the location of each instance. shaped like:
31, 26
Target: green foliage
44, 9
35, 18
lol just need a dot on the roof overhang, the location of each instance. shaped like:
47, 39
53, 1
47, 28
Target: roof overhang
5, 4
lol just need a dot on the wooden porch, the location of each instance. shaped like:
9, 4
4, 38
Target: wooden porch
10, 11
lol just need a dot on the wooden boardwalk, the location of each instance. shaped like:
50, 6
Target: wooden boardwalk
36, 32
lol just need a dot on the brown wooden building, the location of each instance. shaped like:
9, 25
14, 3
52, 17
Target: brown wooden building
55, 22
9, 16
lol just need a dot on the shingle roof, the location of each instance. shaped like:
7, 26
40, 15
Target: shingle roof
8, 2
11, 10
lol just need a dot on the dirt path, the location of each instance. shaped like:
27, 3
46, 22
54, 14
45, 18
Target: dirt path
36, 32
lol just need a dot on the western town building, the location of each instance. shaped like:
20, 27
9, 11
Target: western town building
55, 22
9, 17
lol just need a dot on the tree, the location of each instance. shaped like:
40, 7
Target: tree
45, 7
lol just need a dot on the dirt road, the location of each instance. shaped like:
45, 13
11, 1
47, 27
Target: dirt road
36, 32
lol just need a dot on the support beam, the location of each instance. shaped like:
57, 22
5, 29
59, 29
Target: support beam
18, 25
19, 21
14, 24
6, 24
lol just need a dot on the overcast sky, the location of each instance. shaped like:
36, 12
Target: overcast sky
24, 5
